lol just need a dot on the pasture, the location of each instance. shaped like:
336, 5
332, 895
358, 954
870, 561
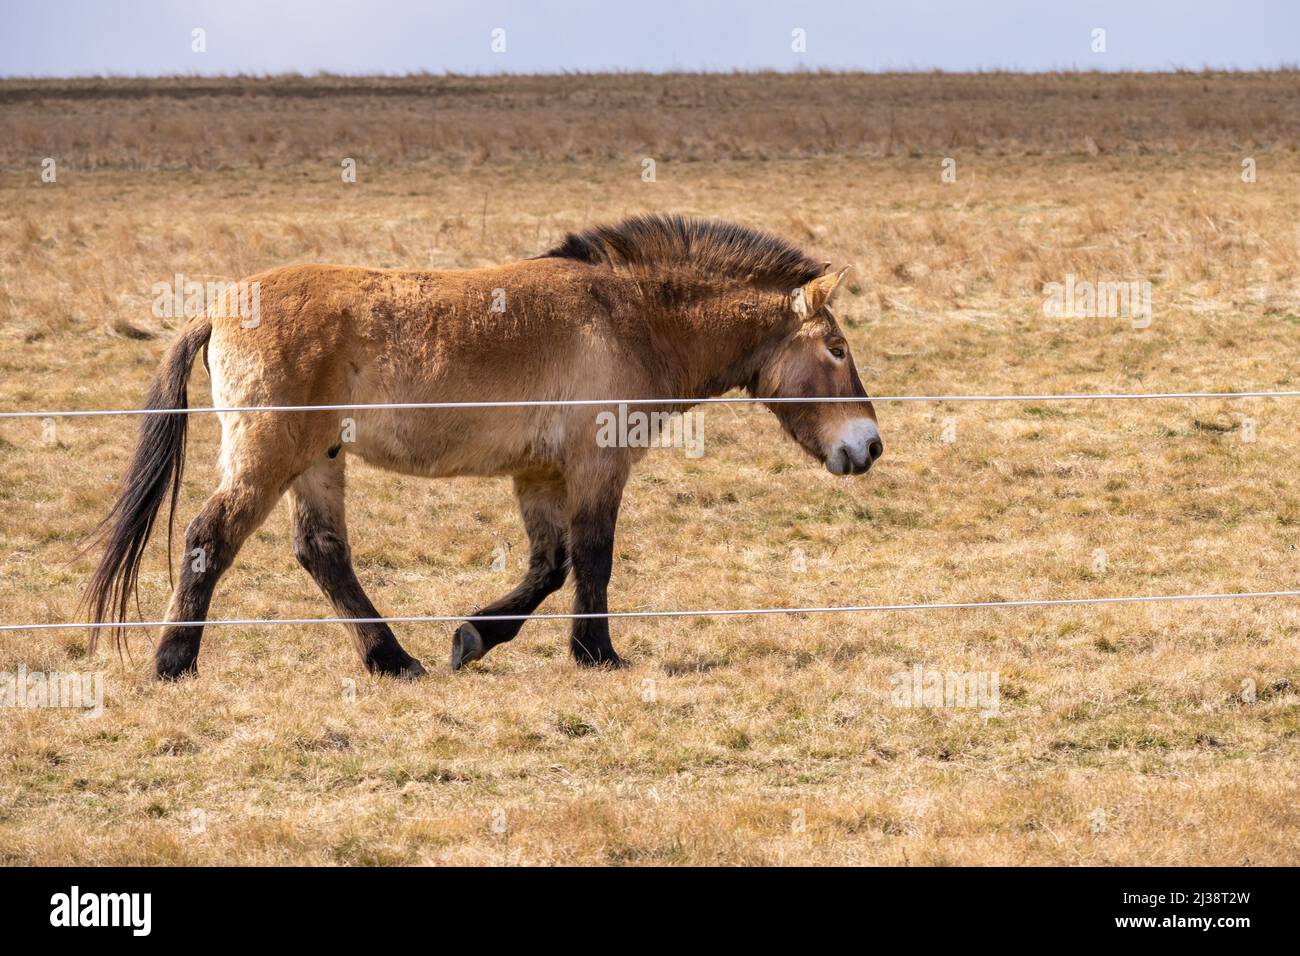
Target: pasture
1162, 733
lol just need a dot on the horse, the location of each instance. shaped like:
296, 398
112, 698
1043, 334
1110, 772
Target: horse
653, 307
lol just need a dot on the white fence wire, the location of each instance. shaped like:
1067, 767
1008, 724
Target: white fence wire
721, 400
710, 612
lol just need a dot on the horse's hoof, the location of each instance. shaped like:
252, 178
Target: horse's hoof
606, 658
394, 663
412, 671
176, 674
171, 664
466, 646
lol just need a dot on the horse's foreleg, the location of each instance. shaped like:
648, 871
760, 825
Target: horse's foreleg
542, 504
593, 513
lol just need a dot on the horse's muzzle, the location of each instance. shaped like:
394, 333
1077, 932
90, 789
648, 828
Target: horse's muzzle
857, 449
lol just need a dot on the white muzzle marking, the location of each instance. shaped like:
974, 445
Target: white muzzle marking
855, 448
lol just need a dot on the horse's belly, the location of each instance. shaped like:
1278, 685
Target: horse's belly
460, 442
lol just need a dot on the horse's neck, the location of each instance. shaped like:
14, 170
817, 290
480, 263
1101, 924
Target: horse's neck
725, 342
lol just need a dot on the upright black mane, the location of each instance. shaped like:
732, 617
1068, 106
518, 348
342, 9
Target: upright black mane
707, 246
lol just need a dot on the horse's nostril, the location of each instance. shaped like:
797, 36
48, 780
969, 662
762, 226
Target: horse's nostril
875, 449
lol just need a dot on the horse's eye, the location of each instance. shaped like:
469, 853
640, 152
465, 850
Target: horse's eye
837, 351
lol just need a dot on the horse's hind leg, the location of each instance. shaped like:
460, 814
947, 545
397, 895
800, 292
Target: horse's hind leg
541, 502
320, 543
228, 517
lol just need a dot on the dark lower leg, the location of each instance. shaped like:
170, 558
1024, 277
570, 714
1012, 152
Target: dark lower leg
546, 574
591, 542
476, 636
211, 542
328, 559
541, 503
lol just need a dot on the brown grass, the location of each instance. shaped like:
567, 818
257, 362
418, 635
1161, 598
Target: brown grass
754, 724
210, 123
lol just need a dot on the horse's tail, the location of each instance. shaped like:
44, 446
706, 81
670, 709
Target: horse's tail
156, 467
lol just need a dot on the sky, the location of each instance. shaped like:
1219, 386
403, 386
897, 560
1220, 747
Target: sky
156, 37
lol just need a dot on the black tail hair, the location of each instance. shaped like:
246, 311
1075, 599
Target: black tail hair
156, 467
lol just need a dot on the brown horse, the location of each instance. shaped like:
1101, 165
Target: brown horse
653, 307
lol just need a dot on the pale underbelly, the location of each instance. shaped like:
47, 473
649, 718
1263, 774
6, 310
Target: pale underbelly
452, 443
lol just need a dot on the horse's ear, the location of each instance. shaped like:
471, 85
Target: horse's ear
818, 292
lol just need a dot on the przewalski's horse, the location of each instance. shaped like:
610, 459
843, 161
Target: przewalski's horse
653, 307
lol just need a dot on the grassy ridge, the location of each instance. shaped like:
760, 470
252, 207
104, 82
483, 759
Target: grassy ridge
209, 123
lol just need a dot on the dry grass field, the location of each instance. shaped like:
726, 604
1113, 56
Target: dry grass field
1125, 734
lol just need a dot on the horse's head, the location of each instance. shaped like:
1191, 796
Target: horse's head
815, 362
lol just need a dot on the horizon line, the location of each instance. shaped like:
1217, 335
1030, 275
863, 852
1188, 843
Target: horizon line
1171, 70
